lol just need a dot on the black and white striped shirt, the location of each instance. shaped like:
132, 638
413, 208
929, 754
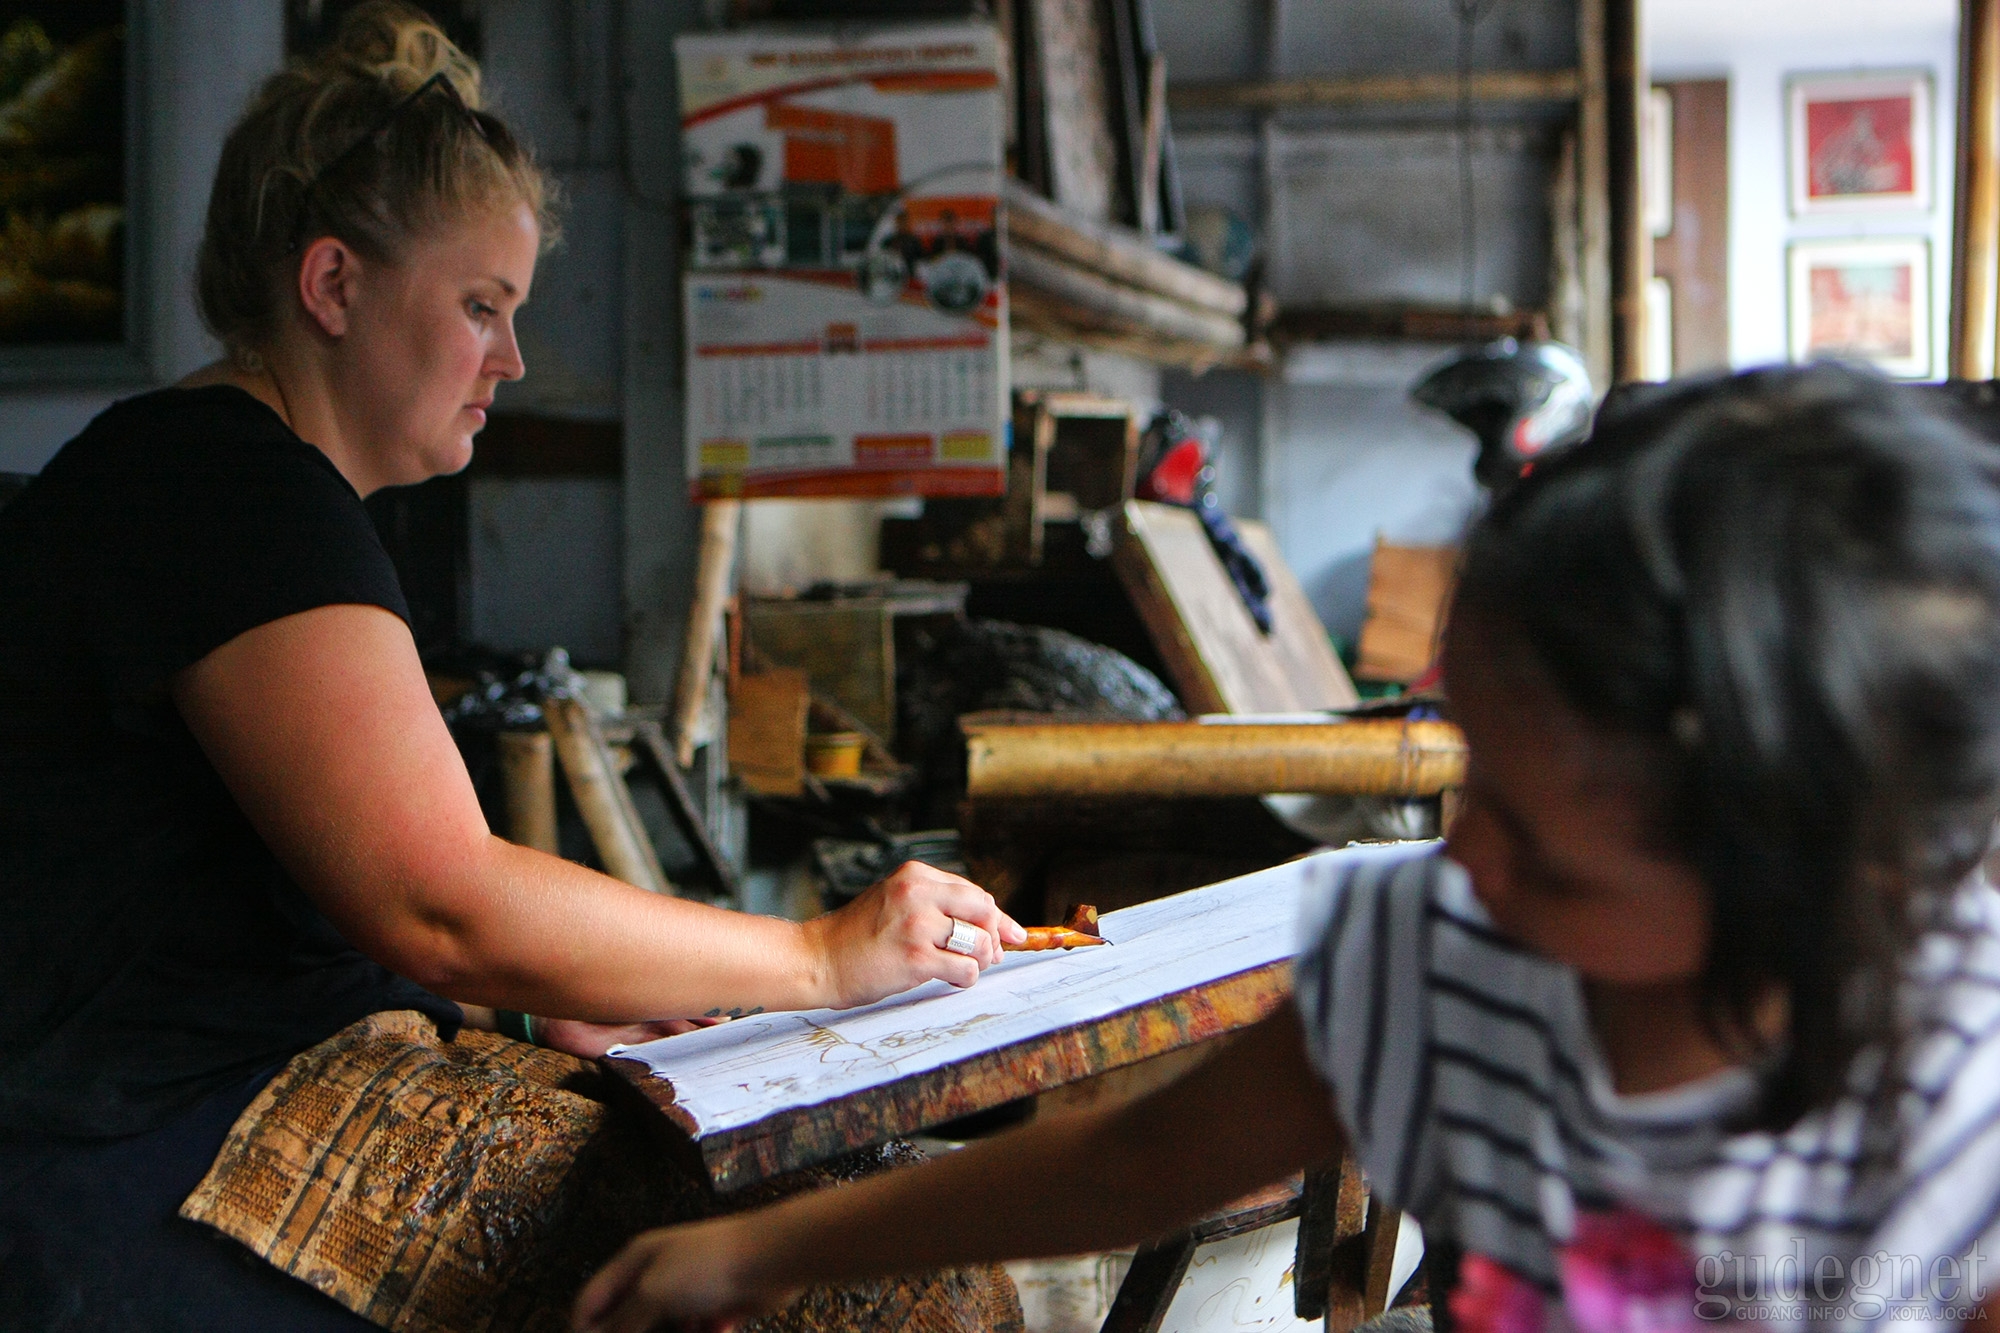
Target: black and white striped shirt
1464, 1069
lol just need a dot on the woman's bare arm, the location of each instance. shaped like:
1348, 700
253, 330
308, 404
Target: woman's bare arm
1252, 1115
324, 729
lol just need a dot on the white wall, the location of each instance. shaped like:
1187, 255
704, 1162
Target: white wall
1350, 458
1756, 44
209, 55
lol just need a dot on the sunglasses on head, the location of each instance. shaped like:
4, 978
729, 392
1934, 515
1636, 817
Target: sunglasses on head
374, 132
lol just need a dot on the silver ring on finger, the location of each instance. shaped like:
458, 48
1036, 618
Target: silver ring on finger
964, 938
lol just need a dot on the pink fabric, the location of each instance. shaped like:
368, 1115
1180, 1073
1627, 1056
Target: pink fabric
1623, 1273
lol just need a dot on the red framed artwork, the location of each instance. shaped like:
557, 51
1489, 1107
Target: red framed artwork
1860, 141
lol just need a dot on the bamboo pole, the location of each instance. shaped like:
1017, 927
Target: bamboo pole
719, 523
1975, 238
1154, 143
1557, 85
1359, 758
1631, 242
1593, 190
602, 797
1031, 266
528, 777
1115, 253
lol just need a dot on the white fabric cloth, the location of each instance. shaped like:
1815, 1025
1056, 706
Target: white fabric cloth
1465, 1070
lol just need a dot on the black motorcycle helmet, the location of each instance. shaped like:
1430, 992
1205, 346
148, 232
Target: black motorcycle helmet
1521, 400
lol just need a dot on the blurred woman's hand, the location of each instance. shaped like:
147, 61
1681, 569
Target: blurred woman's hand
892, 937
687, 1277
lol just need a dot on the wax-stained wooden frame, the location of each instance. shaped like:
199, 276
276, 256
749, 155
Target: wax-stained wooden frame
1860, 142
801, 1136
73, 273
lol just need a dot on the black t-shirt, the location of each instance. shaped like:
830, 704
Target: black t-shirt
151, 948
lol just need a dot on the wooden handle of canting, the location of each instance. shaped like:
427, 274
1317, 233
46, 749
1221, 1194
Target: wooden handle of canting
1053, 937
719, 522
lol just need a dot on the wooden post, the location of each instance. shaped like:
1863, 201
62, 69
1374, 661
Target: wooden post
1154, 140
1631, 243
602, 798
1593, 189
528, 775
1975, 236
719, 522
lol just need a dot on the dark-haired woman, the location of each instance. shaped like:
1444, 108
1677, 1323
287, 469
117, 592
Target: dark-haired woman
247, 897
1697, 1016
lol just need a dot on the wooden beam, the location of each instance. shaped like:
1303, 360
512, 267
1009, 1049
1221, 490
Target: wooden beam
1116, 253
1527, 85
1417, 323
1358, 758
1975, 234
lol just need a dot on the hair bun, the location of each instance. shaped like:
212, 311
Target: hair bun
402, 46
333, 146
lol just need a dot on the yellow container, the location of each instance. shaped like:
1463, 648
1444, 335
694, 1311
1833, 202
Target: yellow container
835, 754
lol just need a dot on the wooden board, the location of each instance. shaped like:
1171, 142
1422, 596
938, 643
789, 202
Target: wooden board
1083, 155
846, 648
1409, 589
767, 731
1218, 659
1298, 639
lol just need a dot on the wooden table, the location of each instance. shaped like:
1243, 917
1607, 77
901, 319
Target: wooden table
1343, 1249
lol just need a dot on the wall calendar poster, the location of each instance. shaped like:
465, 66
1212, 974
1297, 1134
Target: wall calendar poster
845, 314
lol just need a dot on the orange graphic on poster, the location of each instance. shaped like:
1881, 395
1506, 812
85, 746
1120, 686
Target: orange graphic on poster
857, 153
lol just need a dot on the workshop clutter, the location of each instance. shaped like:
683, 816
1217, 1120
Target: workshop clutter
1106, 588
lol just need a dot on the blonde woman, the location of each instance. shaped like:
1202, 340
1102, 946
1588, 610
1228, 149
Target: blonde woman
249, 897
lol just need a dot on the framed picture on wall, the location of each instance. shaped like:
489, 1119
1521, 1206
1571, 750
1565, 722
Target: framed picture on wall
71, 282
1863, 300
1860, 141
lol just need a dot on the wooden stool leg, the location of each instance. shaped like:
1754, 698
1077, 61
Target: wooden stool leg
1150, 1285
1378, 1245
528, 774
1330, 1282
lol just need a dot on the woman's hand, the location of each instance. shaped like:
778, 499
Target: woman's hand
591, 1040
892, 937
688, 1277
